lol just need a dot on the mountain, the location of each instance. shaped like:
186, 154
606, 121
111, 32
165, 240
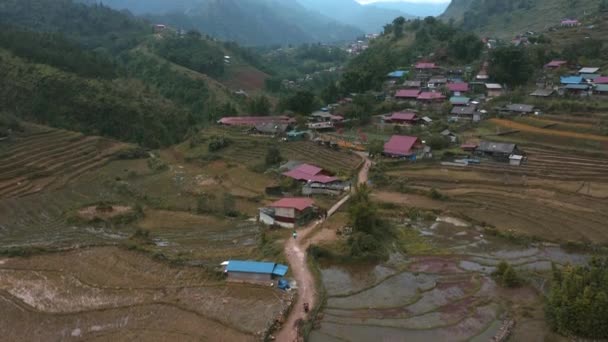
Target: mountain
413, 8
505, 18
248, 22
368, 18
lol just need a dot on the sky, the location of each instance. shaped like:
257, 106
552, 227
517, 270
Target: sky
417, 1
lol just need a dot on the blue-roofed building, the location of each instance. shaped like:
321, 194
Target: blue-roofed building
397, 74
571, 80
255, 272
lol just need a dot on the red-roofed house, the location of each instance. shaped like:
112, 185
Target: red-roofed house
402, 118
429, 97
460, 87
425, 66
601, 80
570, 23
555, 64
407, 94
307, 173
252, 121
402, 146
288, 212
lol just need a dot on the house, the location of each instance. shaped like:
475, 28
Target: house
307, 173
288, 212
427, 120
570, 23
449, 135
577, 89
270, 128
458, 87
159, 28
571, 80
402, 118
254, 272
542, 93
412, 84
425, 66
497, 150
252, 121
601, 80
589, 70
590, 78
601, 89
482, 76
397, 74
468, 147
555, 64
459, 100
430, 97
459, 113
493, 90
407, 94
517, 108
401, 146
436, 82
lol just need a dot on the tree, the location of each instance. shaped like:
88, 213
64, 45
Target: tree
302, 102
273, 156
376, 147
578, 302
506, 275
259, 105
229, 205
510, 65
466, 47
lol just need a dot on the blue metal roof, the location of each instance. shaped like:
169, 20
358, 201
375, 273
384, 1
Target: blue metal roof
256, 267
577, 86
398, 73
571, 79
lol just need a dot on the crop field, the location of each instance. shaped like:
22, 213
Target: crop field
449, 296
251, 150
109, 293
49, 158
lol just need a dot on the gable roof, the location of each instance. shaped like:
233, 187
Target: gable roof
446, 132
400, 145
298, 203
425, 65
491, 147
601, 88
601, 80
463, 110
459, 87
519, 108
438, 80
590, 76
555, 64
271, 127
428, 95
459, 100
257, 267
571, 79
588, 70
407, 93
405, 116
542, 92
493, 86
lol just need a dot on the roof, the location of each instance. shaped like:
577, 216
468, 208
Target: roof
459, 100
309, 173
463, 110
459, 87
271, 127
577, 86
398, 73
257, 267
425, 65
405, 116
589, 70
542, 92
555, 64
427, 119
440, 80
489, 146
446, 132
321, 114
253, 120
601, 87
519, 108
570, 22
571, 79
493, 86
298, 203
407, 93
400, 145
601, 80
590, 76
427, 95
412, 84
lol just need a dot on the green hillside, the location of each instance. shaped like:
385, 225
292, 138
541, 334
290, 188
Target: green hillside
504, 18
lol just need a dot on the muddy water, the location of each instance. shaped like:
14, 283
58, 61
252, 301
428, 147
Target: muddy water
449, 297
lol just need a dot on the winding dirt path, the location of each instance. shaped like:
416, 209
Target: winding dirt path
295, 251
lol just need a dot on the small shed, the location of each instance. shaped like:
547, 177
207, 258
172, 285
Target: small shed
254, 272
515, 159
449, 135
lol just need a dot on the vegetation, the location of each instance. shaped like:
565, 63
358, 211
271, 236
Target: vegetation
578, 302
510, 65
506, 275
273, 156
192, 52
369, 230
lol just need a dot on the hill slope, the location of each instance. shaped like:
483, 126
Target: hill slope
504, 18
413, 8
274, 22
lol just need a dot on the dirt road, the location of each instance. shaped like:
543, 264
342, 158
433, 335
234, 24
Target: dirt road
295, 251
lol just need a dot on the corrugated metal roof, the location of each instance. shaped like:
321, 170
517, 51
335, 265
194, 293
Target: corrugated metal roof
520, 108
601, 80
403, 116
424, 65
427, 95
400, 145
407, 93
459, 100
489, 146
280, 270
298, 203
577, 86
398, 73
250, 266
601, 87
459, 87
571, 79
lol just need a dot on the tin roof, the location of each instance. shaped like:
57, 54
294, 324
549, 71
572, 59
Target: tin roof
400, 145
298, 203
405, 116
407, 93
571, 79
459, 87
257, 267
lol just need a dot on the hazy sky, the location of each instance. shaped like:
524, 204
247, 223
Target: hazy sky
420, 1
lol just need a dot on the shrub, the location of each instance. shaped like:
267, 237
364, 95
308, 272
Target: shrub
217, 143
506, 275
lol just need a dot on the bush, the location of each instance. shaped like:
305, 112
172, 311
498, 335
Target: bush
273, 156
156, 164
506, 275
436, 195
218, 143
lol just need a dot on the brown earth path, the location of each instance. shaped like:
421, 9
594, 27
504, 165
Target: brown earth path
295, 251
553, 132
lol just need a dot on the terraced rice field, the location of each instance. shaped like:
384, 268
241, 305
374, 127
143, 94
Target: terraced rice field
112, 294
49, 158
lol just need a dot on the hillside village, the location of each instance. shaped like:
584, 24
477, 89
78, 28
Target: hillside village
439, 180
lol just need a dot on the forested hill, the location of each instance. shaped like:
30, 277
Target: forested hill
99, 71
504, 18
275, 21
